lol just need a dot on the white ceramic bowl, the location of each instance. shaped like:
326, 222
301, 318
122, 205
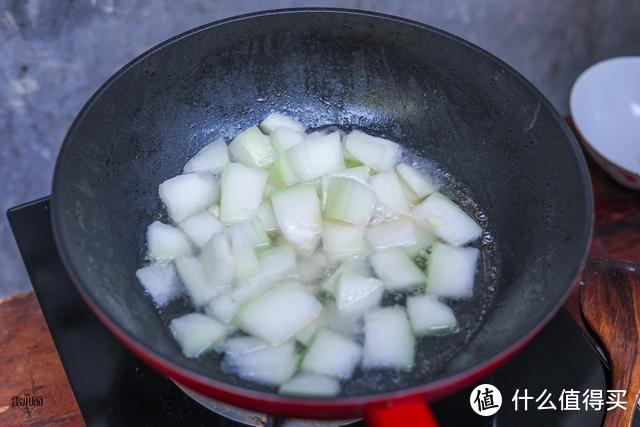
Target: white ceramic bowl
605, 105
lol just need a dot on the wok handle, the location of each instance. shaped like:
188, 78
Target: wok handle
406, 413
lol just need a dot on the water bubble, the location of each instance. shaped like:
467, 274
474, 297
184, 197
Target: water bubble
488, 239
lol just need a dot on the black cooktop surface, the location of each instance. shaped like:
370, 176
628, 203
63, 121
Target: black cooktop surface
113, 387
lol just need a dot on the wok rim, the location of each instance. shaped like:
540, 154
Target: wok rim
270, 401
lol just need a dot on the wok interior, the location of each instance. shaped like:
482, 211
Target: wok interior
447, 100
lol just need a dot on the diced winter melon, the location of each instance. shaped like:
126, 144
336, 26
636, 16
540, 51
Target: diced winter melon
278, 120
227, 304
242, 189
311, 267
428, 316
269, 365
412, 198
359, 173
311, 385
218, 262
223, 307
355, 265
197, 333
424, 239
160, 281
297, 211
451, 271
283, 173
316, 157
396, 269
283, 138
242, 345
188, 194
355, 294
389, 192
214, 210
446, 219
332, 354
390, 234
256, 232
278, 261
195, 281
349, 326
279, 313
349, 201
378, 153
266, 215
317, 133
201, 227
421, 185
342, 240
166, 242
269, 188
306, 334
243, 252
388, 339
211, 158
252, 148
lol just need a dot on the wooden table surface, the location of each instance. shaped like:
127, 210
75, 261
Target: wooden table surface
31, 364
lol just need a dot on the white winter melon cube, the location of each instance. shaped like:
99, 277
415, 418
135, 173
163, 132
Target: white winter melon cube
277, 261
166, 242
211, 158
446, 219
420, 184
429, 316
243, 252
311, 266
316, 156
343, 241
356, 294
396, 269
218, 262
278, 120
388, 339
279, 313
389, 192
283, 138
354, 265
242, 189
400, 231
160, 281
195, 281
332, 354
306, 334
297, 211
378, 153
311, 385
451, 271
188, 194
349, 201
197, 333
263, 364
252, 148
201, 227
266, 215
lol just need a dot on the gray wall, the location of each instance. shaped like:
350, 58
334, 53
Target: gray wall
54, 54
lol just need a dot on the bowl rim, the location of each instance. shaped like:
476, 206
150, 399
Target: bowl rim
578, 84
